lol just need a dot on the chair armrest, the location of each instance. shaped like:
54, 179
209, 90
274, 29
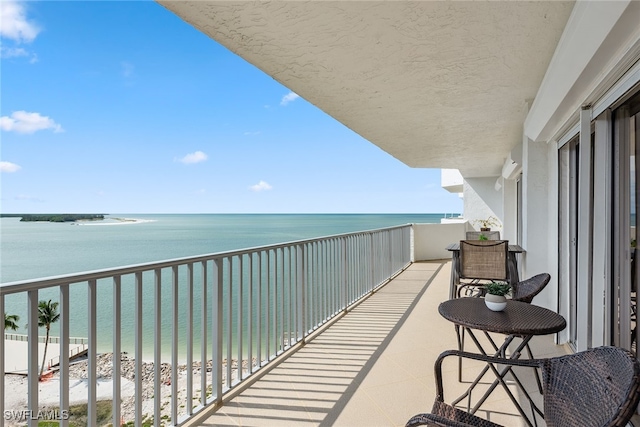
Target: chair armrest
434, 420
534, 363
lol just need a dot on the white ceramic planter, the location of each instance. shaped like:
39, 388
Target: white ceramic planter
495, 302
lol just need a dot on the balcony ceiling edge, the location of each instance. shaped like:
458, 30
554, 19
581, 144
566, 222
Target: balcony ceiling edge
434, 84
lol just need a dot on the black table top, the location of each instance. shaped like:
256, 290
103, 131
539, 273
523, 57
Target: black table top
518, 318
512, 248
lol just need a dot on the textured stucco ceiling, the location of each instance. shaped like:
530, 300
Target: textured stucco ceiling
436, 84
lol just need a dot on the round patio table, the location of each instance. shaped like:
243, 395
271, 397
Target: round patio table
518, 319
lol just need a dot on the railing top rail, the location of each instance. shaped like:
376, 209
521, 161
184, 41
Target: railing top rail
52, 338
46, 282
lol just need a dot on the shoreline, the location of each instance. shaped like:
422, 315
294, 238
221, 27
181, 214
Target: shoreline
117, 221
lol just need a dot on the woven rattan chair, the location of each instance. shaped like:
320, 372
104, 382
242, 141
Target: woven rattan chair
490, 235
525, 291
594, 388
482, 260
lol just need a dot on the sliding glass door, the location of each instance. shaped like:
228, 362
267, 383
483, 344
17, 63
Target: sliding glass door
568, 231
626, 145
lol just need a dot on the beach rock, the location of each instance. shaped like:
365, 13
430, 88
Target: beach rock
104, 370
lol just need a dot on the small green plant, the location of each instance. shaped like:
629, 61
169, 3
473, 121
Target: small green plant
482, 237
498, 288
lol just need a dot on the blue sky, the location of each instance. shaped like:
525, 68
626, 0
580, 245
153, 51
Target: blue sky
122, 107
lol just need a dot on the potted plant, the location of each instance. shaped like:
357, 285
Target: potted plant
487, 223
495, 297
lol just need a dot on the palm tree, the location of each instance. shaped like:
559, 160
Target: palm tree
47, 315
11, 321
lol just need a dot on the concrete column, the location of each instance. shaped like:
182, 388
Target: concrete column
537, 239
509, 206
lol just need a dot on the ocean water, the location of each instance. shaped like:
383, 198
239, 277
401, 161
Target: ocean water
30, 250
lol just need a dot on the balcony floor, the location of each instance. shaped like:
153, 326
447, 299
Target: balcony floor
374, 366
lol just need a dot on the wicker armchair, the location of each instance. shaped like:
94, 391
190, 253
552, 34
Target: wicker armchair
594, 388
525, 290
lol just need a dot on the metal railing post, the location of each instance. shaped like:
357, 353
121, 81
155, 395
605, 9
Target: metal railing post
174, 345
302, 285
189, 338
217, 307
260, 302
240, 308
157, 344
250, 313
203, 335
138, 351
92, 355
117, 350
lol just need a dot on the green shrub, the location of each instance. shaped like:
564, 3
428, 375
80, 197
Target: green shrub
498, 288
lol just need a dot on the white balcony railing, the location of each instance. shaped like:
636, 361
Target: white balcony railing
42, 338
247, 306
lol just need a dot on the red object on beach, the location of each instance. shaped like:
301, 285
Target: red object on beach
45, 377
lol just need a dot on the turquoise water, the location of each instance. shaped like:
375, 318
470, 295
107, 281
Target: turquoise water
30, 250
34, 250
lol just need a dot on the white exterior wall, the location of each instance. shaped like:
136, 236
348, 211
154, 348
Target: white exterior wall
536, 238
430, 240
451, 180
481, 200
510, 214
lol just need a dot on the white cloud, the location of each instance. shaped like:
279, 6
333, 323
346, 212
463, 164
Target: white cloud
261, 186
17, 52
25, 122
13, 52
8, 167
14, 24
290, 97
196, 157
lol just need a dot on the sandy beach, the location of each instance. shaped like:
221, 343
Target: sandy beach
49, 390
116, 221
